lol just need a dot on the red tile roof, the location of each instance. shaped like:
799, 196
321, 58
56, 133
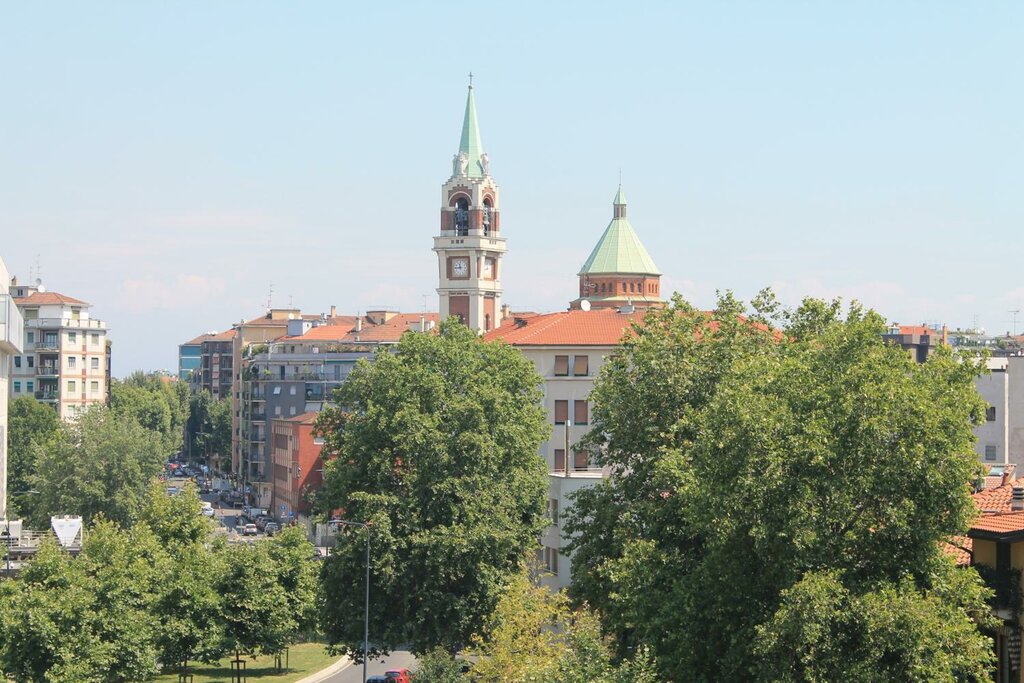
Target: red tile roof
960, 548
994, 500
918, 329
1002, 523
305, 418
200, 339
226, 335
343, 329
601, 327
47, 299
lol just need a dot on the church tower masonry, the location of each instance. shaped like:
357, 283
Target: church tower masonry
469, 246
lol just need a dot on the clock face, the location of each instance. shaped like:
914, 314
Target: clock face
460, 267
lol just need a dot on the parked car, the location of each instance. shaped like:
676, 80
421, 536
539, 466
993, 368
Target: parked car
208, 509
250, 530
398, 676
377, 679
173, 490
180, 473
271, 528
261, 522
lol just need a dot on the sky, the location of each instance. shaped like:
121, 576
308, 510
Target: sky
169, 162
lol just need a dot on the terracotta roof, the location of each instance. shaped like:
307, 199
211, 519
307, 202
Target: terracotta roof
343, 329
602, 327
918, 329
999, 524
305, 418
47, 299
200, 339
960, 549
994, 500
226, 335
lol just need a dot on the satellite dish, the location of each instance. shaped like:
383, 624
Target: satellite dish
584, 305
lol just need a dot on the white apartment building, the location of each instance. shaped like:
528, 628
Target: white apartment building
568, 350
11, 335
65, 358
1001, 438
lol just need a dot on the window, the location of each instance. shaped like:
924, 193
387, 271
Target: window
71, 361
318, 441
553, 511
580, 460
579, 412
277, 411
17, 387
95, 338
551, 559
559, 460
30, 386
291, 411
95, 363
581, 366
462, 217
561, 366
291, 391
94, 387
30, 337
277, 391
72, 386
561, 412
990, 413
72, 337
990, 452
17, 361
31, 361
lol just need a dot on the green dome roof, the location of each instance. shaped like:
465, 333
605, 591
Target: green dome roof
619, 250
470, 143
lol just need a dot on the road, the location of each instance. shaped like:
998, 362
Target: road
354, 673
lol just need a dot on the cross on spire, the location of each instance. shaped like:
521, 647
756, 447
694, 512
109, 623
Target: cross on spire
470, 79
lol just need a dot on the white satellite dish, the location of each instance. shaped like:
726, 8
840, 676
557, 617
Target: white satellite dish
584, 305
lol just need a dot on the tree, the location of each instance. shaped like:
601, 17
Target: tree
745, 458
208, 429
436, 446
98, 464
155, 402
85, 619
533, 635
296, 570
255, 608
30, 426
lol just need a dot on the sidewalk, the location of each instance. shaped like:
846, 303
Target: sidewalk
324, 674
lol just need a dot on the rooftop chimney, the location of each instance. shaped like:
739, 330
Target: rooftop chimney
359, 323
334, 311
1017, 502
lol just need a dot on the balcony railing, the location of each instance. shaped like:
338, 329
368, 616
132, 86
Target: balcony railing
47, 395
47, 370
53, 323
1006, 584
48, 345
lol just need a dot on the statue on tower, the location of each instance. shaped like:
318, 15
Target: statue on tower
485, 163
459, 164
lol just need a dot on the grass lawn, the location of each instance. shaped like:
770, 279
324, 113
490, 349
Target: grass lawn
303, 660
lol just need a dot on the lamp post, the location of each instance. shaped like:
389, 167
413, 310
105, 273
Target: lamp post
366, 614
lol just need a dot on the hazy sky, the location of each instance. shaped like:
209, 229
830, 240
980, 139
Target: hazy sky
168, 161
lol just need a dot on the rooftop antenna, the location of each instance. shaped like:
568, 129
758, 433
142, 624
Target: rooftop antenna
425, 302
1015, 312
270, 296
290, 304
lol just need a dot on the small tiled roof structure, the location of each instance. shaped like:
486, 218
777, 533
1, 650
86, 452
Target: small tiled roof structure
200, 339
226, 335
1002, 526
600, 327
995, 500
48, 299
305, 418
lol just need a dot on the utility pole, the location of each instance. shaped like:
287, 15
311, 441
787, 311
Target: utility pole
1015, 312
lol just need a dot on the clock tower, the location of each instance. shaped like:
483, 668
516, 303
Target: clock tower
469, 246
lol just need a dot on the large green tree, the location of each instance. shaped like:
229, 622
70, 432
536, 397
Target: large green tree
30, 426
98, 464
156, 402
746, 457
436, 446
208, 429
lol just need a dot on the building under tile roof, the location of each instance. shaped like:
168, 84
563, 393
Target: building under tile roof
48, 299
599, 327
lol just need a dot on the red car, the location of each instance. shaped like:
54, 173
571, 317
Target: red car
399, 676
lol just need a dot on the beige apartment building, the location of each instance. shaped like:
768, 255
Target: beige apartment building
65, 358
12, 335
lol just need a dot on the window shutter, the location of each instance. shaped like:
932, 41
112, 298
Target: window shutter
581, 366
580, 413
559, 459
561, 366
581, 460
561, 412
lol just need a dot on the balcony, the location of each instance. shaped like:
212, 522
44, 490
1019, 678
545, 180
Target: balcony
69, 323
12, 330
1007, 587
47, 370
47, 395
48, 345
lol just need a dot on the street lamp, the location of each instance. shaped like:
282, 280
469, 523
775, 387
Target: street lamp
366, 615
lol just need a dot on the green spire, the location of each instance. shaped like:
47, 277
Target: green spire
619, 251
470, 145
